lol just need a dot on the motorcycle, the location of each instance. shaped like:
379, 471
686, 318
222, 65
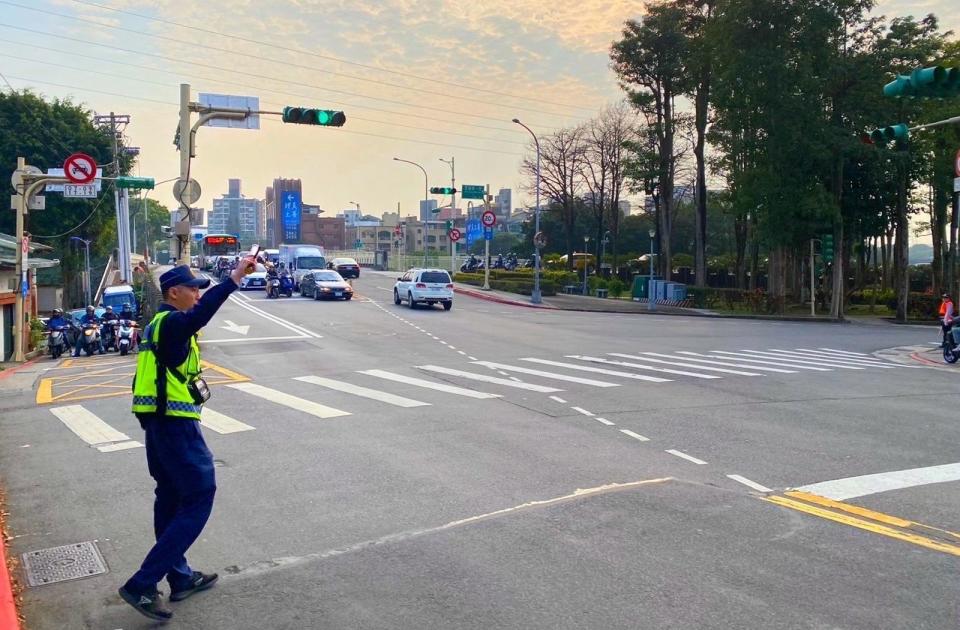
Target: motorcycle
286, 285
91, 339
273, 288
470, 265
511, 262
109, 334
126, 336
57, 341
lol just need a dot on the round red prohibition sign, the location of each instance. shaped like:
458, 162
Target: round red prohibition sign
488, 218
80, 168
455, 235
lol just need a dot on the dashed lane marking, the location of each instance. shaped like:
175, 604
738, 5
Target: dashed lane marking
749, 484
635, 436
689, 458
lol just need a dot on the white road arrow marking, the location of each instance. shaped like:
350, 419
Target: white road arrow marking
235, 328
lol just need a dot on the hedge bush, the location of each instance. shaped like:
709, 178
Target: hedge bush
756, 301
522, 285
919, 306
869, 296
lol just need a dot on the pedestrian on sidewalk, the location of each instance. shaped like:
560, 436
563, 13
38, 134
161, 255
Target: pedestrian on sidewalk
168, 395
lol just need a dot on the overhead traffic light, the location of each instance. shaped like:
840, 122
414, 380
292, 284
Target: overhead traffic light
932, 82
899, 133
312, 116
826, 243
135, 183
449, 225
442, 190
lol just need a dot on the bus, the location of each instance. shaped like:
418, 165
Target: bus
213, 245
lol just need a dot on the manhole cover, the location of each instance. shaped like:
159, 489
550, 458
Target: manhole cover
59, 564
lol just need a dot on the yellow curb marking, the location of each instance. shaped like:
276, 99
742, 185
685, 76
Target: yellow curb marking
876, 528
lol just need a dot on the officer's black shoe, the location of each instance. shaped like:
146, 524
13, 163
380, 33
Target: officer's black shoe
149, 605
198, 582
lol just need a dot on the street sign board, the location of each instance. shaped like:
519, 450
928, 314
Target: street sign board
539, 240
474, 231
488, 218
80, 168
37, 202
472, 192
83, 191
16, 179
455, 235
488, 233
58, 172
227, 101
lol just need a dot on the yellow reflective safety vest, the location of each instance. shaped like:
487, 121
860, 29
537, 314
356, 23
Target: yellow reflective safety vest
165, 390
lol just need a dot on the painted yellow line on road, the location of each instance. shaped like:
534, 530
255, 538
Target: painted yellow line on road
876, 528
45, 392
852, 509
234, 376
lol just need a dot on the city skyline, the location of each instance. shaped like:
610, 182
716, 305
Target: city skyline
419, 81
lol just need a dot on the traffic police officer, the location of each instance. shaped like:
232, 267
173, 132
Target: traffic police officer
168, 394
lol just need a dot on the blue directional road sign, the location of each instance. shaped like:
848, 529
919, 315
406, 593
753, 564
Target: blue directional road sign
474, 231
488, 233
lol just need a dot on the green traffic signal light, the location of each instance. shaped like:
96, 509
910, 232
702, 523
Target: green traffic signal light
932, 82
311, 116
449, 225
442, 190
899, 133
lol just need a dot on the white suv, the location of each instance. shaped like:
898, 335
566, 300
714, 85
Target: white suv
424, 286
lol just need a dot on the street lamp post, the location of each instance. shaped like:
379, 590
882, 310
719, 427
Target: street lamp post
426, 197
453, 209
86, 257
535, 297
586, 240
651, 303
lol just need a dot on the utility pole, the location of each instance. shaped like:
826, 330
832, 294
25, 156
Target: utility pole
453, 207
121, 197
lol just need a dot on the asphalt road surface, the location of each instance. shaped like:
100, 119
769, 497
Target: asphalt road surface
506, 467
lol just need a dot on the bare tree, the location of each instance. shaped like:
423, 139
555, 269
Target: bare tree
596, 175
561, 175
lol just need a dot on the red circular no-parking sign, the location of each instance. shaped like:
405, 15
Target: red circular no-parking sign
80, 168
455, 234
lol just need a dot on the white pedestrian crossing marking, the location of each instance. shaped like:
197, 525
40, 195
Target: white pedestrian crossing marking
221, 423
839, 361
596, 370
679, 363
743, 365
287, 400
488, 379
419, 382
753, 359
859, 354
363, 392
553, 375
92, 430
641, 367
869, 362
785, 357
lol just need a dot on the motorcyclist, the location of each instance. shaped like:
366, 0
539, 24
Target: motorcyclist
89, 319
272, 274
126, 313
109, 321
57, 320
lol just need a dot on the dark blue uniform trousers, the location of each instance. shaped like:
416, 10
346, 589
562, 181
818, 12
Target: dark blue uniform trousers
182, 465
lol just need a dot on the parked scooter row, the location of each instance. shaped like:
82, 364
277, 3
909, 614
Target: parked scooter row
510, 262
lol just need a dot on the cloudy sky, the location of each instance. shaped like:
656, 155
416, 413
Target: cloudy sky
418, 79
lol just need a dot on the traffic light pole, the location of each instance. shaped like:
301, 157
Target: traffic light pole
453, 206
486, 245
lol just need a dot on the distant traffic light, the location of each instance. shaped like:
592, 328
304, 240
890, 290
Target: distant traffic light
932, 82
899, 133
311, 116
449, 225
827, 247
442, 190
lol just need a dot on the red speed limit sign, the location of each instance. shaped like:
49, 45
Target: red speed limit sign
488, 218
455, 235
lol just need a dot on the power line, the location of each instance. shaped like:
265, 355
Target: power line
170, 85
261, 76
301, 51
347, 131
77, 226
258, 57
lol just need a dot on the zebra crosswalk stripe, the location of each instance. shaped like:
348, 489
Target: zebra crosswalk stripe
553, 375
641, 367
363, 392
809, 361
91, 429
287, 400
419, 382
489, 379
840, 357
221, 423
840, 360
661, 361
753, 359
752, 367
596, 370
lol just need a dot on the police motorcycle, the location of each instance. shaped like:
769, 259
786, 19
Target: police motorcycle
510, 263
470, 264
91, 338
498, 263
126, 336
